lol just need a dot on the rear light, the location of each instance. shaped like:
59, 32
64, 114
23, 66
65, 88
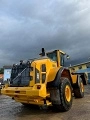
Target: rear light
38, 86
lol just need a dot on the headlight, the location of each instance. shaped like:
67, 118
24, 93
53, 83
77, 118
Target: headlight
0, 83
38, 76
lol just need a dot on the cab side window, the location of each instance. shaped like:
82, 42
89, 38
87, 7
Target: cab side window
61, 59
52, 55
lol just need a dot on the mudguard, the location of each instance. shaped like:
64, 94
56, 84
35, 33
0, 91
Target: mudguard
83, 77
62, 72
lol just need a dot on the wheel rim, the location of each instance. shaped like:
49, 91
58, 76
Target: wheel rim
82, 87
68, 93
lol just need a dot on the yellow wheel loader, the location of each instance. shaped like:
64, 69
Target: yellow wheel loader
44, 81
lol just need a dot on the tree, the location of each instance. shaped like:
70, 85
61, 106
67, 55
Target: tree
1, 70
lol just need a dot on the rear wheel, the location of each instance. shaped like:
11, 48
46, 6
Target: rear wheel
85, 82
65, 91
79, 91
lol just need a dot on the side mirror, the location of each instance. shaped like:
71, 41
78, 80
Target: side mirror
68, 57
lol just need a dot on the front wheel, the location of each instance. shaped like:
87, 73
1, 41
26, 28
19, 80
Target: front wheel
65, 91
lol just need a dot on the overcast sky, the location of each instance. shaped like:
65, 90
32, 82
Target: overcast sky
28, 25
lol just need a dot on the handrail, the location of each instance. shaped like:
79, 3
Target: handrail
19, 74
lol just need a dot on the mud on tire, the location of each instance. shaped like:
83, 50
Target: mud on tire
66, 100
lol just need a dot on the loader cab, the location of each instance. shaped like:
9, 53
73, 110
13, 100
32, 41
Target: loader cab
57, 56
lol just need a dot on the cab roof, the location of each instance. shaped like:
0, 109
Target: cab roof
56, 50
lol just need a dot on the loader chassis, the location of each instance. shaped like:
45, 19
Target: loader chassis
44, 81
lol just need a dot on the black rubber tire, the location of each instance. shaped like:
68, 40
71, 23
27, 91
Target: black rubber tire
78, 92
65, 105
84, 78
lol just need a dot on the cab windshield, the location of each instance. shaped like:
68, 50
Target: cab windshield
52, 55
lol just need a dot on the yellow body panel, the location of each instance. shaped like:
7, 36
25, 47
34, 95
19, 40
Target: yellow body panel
52, 74
30, 95
51, 69
74, 78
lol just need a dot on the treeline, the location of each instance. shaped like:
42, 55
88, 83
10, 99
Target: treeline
1, 70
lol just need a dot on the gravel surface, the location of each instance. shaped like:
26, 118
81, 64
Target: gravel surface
11, 110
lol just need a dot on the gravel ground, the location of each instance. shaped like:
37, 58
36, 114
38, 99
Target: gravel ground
11, 110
